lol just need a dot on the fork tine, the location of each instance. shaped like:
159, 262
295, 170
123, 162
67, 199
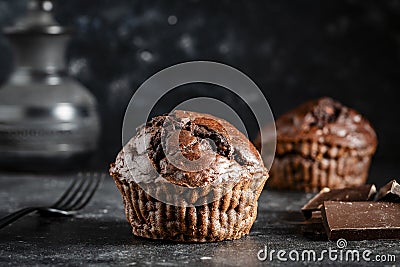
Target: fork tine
69, 189
70, 194
90, 194
80, 194
76, 197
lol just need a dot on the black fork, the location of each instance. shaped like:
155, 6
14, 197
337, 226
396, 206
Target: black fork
75, 198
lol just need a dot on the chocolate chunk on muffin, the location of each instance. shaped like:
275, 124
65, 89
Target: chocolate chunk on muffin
202, 188
321, 144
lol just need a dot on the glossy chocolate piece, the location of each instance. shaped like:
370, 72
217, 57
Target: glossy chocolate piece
361, 220
360, 193
390, 192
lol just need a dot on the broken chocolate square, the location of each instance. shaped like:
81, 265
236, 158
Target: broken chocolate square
390, 192
360, 193
361, 220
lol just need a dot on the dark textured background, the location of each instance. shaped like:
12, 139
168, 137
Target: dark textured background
293, 50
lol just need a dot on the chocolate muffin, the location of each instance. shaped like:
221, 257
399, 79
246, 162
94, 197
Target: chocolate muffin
322, 144
164, 199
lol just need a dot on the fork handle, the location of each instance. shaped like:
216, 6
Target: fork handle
16, 215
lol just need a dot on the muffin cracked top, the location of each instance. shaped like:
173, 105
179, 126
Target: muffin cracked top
326, 121
219, 151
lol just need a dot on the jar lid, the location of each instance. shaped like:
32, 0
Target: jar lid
39, 19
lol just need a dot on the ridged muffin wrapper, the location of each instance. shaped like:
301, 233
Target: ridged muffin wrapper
229, 216
310, 166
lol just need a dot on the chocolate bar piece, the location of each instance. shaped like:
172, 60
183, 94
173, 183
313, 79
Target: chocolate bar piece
360, 193
390, 192
313, 229
361, 220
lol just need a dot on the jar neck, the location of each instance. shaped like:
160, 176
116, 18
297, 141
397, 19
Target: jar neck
39, 52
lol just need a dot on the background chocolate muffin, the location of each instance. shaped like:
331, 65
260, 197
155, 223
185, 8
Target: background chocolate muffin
224, 204
322, 144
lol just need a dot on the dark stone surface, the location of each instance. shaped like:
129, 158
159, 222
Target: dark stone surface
100, 234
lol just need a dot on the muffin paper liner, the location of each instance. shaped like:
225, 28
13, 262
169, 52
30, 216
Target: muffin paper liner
313, 166
229, 217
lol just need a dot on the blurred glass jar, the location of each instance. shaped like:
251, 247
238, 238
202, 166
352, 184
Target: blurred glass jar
47, 119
